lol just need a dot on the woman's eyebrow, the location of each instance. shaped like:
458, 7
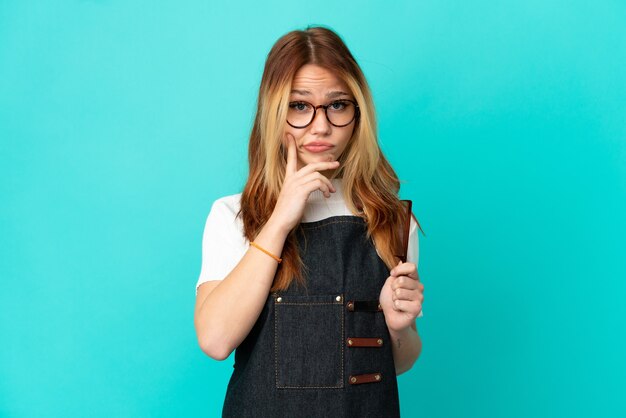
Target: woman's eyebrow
301, 92
334, 94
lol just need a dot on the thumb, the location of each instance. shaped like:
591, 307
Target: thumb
393, 270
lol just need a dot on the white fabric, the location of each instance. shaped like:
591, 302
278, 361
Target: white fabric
224, 244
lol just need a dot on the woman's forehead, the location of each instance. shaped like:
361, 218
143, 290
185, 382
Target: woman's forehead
312, 80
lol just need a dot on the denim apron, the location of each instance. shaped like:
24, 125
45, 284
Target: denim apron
323, 350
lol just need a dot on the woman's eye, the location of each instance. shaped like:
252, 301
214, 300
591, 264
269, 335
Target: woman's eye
338, 105
299, 106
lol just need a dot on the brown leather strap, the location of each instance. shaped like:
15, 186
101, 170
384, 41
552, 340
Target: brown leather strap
364, 342
365, 378
364, 306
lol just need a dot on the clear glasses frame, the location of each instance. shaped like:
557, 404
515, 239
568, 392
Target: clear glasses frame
325, 107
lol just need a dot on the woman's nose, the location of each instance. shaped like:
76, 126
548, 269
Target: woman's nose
320, 124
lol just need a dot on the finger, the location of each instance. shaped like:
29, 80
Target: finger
309, 185
316, 184
405, 269
405, 282
406, 294
292, 155
408, 306
318, 166
319, 176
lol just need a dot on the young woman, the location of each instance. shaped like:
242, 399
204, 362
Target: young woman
299, 272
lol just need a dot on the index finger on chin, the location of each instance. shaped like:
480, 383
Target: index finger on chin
292, 154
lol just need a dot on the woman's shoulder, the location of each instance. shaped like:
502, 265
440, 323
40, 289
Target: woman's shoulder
227, 205
223, 214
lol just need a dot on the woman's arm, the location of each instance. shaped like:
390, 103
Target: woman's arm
401, 299
227, 310
407, 346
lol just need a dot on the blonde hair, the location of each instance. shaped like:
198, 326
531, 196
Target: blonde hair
370, 184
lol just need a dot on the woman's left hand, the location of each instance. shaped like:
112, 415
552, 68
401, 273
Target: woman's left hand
401, 296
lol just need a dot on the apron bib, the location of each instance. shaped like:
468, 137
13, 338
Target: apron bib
322, 350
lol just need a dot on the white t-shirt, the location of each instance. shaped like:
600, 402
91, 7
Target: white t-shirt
224, 244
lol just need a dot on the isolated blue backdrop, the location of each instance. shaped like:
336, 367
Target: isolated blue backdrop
122, 121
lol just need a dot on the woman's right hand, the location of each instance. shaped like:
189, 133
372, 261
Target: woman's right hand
297, 187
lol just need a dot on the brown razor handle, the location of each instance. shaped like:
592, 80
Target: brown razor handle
404, 234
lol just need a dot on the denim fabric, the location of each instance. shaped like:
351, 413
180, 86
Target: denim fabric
295, 361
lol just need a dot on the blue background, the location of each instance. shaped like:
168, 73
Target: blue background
122, 121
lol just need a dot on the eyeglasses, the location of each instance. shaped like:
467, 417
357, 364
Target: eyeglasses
339, 113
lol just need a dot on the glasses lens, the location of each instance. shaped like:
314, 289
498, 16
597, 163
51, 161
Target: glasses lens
340, 112
300, 113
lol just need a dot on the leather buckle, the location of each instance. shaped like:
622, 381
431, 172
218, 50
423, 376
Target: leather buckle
364, 306
365, 378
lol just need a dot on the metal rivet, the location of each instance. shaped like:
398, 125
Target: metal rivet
349, 342
279, 299
379, 341
379, 307
353, 379
338, 298
377, 377
350, 305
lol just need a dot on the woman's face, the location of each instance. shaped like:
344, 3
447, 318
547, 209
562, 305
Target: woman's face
319, 141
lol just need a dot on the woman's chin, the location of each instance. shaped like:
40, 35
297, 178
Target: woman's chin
318, 158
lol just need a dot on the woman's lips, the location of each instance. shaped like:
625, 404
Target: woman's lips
317, 147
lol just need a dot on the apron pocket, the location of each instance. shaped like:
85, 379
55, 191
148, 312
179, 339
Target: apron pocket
308, 341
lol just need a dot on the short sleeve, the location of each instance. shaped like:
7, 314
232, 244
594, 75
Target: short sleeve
413, 249
223, 241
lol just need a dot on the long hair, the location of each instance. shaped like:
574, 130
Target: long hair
370, 184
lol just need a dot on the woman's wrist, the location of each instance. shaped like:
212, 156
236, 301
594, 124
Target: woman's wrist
272, 237
277, 228
400, 333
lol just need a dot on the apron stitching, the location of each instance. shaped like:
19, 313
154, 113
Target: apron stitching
310, 303
342, 338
